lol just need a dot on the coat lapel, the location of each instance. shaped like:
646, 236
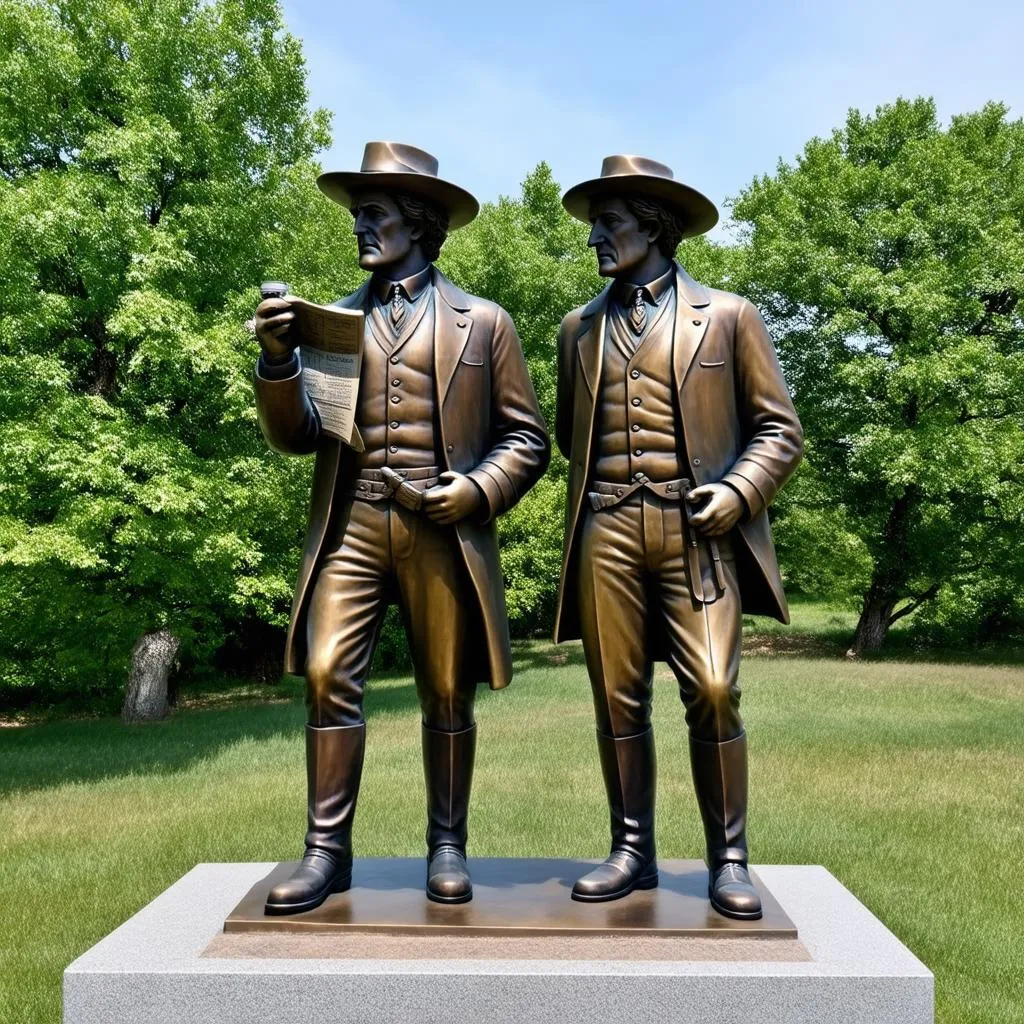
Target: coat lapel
452, 328
590, 346
590, 343
692, 319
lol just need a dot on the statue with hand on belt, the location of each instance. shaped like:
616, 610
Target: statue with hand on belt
675, 418
453, 437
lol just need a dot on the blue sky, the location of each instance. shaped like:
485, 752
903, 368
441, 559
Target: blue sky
719, 91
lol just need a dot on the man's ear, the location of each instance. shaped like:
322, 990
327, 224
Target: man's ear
416, 234
653, 231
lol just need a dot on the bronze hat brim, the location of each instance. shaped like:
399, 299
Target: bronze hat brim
699, 213
461, 206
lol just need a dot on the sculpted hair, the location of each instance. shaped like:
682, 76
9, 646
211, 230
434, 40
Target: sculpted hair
671, 223
434, 220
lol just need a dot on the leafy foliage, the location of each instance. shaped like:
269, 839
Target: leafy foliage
157, 162
152, 153
890, 260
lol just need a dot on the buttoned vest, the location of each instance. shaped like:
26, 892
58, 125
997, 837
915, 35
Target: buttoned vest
638, 427
396, 414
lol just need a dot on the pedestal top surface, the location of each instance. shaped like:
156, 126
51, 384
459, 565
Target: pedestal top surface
512, 897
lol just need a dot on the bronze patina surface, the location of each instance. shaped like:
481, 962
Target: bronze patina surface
453, 437
679, 431
511, 897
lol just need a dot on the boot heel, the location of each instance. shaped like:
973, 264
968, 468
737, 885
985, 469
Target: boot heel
342, 883
648, 881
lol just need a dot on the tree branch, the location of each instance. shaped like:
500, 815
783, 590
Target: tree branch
914, 603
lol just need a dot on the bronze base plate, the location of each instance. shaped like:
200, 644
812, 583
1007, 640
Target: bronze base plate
511, 897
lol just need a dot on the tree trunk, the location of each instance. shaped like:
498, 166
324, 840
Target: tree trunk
152, 660
873, 624
887, 581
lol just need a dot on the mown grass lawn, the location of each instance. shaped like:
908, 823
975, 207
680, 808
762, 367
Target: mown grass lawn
904, 779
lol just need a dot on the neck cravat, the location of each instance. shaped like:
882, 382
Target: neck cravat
397, 311
638, 314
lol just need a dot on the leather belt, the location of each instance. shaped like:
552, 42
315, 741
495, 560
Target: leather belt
608, 495
605, 495
405, 486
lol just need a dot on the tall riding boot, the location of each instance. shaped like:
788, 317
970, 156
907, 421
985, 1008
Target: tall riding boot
629, 766
448, 767
334, 765
720, 779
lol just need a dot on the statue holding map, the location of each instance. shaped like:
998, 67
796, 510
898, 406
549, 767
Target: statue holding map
446, 435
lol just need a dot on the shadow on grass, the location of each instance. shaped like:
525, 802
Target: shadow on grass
88, 750
542, 654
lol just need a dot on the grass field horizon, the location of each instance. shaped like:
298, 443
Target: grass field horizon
902, 778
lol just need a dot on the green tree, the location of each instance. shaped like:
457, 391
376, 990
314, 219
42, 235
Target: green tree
154, 157
889, 259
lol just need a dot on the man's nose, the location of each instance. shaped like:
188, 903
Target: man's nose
595, 236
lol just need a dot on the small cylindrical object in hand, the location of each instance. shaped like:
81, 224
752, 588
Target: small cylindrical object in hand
273, 290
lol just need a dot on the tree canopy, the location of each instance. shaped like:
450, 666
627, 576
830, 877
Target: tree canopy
157, 161
890, 261
149, 154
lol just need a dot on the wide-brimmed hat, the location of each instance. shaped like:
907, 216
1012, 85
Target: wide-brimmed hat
394, 165
628, 176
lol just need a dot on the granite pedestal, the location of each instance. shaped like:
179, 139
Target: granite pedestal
819, 957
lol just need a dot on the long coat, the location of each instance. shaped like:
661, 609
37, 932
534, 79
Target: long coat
739, 426
490, 429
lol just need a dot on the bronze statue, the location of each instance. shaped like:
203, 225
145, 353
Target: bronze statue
670, 397
453, 437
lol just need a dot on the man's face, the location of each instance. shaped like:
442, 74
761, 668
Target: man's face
618, 239
382, 234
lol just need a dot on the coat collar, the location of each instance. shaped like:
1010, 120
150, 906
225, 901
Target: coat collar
450, 292
452, 325
692, 291
691, 324
689, 290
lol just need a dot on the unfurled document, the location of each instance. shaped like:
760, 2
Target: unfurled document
332, 355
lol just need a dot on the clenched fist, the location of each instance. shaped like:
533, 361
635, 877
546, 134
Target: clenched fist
455, 498
723, 510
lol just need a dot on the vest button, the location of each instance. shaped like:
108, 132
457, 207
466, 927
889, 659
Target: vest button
450, 447
635, 427
393, 448
395, 399
696, 461
638, 451
696, 323
635, 374
394, 360
394, 424
636, 401
395, 382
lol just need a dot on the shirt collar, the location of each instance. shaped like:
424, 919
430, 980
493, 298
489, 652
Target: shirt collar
654, 291
411, 286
